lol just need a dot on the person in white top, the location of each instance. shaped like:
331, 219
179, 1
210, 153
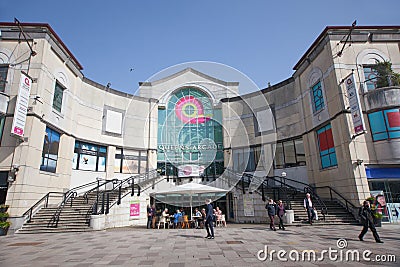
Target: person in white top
308, 206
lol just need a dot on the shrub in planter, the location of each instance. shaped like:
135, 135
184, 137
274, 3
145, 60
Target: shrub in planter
4, 227
3, 208
4, 216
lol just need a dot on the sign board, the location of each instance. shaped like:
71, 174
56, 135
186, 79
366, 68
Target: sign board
134, 211
248, 205
190, 170
355, 106
21, 106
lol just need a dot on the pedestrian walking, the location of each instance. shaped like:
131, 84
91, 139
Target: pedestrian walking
271, 210
209, 220
367, 220
280, 211
308, 206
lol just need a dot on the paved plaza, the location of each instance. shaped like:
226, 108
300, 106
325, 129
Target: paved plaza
236, 245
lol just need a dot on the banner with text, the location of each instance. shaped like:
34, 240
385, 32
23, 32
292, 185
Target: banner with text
134, 209
21, 106
355, 106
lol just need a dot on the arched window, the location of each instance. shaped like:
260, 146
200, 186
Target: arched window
315, 83
190, 135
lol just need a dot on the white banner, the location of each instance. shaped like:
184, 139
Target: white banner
355, 106
21, 106
190, 170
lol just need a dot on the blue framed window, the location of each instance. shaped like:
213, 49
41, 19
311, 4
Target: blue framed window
326, 147
371, 77
385, 124
50, 151
318, 97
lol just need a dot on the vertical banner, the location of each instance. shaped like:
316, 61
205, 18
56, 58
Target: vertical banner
21, 106
134, 211
354, 100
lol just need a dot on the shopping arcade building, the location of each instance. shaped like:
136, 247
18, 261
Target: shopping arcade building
78, 130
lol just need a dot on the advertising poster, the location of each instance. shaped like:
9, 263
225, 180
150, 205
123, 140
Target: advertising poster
134, 209
248, 205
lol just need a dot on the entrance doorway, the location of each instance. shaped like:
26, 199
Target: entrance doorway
3, 187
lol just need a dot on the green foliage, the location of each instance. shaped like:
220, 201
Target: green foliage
385, 75
4, 215
5, 224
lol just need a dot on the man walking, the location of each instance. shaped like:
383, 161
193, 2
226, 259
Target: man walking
367, 220
209, 220
308, 206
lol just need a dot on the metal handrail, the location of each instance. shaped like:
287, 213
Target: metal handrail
56, 216
341, 196
30, 211
124, 184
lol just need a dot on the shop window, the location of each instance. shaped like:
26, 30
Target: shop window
130, 161
317, 97
326, 147
50, 151
3, 77
89, 157
58, 96
385, 124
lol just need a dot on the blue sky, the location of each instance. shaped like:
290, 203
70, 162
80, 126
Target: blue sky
262, 39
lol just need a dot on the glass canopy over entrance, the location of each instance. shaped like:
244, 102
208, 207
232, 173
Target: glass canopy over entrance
190, 136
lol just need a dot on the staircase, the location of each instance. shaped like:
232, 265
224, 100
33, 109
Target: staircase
336, 213
75, 214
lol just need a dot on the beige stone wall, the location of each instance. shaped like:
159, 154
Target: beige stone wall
82, 118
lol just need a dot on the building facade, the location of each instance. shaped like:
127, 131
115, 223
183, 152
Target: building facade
335, 122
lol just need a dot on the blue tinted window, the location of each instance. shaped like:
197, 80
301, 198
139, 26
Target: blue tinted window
317, 96
50, 151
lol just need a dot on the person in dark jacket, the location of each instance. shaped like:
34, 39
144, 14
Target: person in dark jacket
280, 211
149, 216
271, 210
367, 220
209, 220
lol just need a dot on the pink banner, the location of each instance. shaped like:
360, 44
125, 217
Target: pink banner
134, 209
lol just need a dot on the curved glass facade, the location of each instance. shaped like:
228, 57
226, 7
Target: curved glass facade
190, 135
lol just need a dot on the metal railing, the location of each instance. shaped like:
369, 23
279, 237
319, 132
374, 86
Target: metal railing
43, 202
350, 207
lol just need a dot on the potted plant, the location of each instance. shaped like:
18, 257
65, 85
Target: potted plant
4, 216
4, 227
385, 75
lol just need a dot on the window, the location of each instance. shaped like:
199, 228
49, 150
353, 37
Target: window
130, 161
317, 97
326, 147
370, 75
89, 157
58, 96
50, 151
289, 154
3, 77
247, 159
385, 124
